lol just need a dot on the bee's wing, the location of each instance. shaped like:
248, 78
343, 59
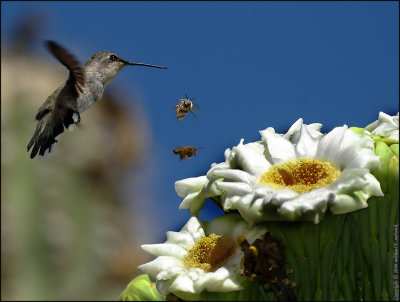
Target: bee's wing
195, 107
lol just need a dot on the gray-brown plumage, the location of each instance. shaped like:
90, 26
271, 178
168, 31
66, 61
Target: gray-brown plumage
84, 87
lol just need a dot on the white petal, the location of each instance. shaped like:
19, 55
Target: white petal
163, 286
222, 225
214, 167
159, 264
195, 272
182, 239
229, 285
329, 145
171, 272
228, 202
194, 228
314, 130
278, 148
227, 154
210, 189
351, 180
313, 203
281, 196
235, 175
216, 281
194, 201
348, 149
351, 138
263, 191
232, 225
234, 188
294, 131
384, 120
392, 134
195, 191
250, 158
293, 134
188, 200
186, 186
346, 203
374, 187
182, 283
249, 208
165, 249
353, 157
306, 145
223, 165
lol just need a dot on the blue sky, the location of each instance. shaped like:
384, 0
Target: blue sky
250, 65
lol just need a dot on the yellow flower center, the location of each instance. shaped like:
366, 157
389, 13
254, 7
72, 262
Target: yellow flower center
210, 253
302, 175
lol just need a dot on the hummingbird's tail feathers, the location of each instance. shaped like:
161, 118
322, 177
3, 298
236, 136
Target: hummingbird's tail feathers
43, 138
48, 129
46, 153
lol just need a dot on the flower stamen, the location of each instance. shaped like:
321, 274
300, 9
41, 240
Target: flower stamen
302, 175
267, 265
210, 253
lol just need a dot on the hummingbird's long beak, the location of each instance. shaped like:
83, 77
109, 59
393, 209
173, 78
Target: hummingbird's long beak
142, 64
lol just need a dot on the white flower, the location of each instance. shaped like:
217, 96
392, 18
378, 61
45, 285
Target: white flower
386, 126
190, 262
296, 176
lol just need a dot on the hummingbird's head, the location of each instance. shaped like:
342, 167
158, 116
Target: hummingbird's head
109, 64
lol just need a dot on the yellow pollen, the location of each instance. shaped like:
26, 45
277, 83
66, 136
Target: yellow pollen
254, 250
210, 253
302, 175
240, 239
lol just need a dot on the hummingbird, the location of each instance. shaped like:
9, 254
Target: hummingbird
84, 87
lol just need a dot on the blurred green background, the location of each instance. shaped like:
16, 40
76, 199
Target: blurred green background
69, 229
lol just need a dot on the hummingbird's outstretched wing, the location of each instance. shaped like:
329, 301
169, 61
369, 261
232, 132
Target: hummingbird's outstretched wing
60, 108
76, 78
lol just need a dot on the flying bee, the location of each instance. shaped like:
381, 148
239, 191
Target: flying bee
184, 106
185, 152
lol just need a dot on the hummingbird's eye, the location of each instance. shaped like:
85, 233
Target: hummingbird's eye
113, 58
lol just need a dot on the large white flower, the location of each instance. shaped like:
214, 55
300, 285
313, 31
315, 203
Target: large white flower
296, 176
386, 126
190, 262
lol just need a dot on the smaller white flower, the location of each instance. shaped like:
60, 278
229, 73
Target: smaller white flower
386, 126
190, 262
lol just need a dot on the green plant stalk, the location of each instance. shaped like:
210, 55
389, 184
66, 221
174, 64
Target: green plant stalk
373, 229
311, 253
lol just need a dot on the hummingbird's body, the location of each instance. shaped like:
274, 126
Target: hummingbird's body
84, 87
